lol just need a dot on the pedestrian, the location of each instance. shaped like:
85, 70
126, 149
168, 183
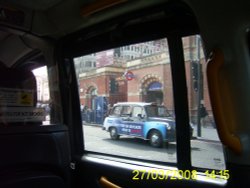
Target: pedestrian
82, 107
109, 108
203, 115
47, 109
83, 113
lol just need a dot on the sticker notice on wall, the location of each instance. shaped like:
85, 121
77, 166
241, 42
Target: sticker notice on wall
16, 97
22, 114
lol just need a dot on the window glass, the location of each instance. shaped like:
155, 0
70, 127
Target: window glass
163, 112
152, 111
126, 110
146, 79
137, 110
206, 148
117, 110
46, 99
138, 74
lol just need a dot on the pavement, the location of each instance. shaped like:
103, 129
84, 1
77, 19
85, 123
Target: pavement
92, 124
207, 133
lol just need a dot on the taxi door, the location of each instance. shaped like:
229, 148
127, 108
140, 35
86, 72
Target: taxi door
136, 121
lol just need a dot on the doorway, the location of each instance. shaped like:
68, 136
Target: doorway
154, 93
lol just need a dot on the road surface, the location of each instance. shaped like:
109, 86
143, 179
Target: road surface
205, 153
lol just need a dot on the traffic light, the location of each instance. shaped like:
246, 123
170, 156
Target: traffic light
195, 74
195, 70
113, 85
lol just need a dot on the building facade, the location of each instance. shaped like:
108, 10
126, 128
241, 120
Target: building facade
142, 73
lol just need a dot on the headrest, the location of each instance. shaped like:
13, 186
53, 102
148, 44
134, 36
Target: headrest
16, 81
18, 96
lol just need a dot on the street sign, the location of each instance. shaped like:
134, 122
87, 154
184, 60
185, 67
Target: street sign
129, 75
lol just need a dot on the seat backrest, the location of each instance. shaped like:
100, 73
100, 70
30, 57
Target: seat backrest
31, 156
18, 98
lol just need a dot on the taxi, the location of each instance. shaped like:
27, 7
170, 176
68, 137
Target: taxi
148, 121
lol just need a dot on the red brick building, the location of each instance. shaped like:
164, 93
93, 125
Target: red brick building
149, 80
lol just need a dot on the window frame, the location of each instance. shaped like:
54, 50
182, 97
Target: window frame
183, 146
177, 62
174, 37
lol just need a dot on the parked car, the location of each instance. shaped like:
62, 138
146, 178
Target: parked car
148, 121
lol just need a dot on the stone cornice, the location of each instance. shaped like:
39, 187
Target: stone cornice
149, 61
101, 72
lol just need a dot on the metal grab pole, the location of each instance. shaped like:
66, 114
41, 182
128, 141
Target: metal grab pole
199, 87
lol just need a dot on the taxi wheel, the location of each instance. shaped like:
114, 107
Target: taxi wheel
155, 139
113, 133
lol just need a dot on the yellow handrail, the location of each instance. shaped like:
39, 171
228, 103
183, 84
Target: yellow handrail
222, 105
105, 183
